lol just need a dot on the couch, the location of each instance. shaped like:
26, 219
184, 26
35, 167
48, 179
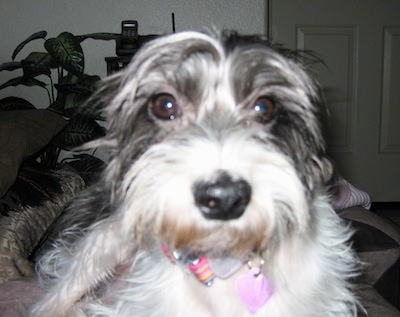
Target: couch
32, 197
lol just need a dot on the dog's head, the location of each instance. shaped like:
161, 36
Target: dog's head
216, 144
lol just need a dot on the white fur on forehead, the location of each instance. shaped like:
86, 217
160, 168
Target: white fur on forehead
251, 57
161, 58
173, 46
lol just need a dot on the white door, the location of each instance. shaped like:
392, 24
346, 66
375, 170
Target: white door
359, 42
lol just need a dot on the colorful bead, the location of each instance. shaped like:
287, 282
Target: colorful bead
202, 271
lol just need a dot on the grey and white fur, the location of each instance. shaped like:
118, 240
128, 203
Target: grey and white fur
216, 151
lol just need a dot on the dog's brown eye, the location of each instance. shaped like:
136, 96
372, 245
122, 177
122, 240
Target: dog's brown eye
264, 108
165, 107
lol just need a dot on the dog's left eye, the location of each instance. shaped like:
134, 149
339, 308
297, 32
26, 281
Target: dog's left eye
165, 107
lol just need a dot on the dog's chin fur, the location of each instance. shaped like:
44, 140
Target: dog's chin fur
109, 259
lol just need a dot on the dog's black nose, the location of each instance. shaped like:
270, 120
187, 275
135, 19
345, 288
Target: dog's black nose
223, 198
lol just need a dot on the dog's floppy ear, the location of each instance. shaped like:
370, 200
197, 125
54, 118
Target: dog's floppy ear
324, 167
320, 163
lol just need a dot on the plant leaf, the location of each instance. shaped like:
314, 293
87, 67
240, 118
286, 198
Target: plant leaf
58, 104
85, 85
88, 166
91, 81
74, 104
81, 129
37, 63
15, 103
10, 66
99, 36
76, 92
30, 82
73, 88
67, 52
94, 109
34, 36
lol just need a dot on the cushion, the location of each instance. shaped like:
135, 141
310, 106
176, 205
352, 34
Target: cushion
18, 296
345, 195
374, 303
377, 242
24, 219
23, 133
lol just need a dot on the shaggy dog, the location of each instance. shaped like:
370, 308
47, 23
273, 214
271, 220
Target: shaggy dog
213, 203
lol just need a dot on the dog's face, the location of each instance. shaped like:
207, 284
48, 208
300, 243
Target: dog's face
216, 146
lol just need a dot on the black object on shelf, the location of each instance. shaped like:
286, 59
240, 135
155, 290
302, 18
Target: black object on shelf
126, 46
128, 43
115, 64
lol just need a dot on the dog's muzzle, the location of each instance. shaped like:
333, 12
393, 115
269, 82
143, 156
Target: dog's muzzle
223, 198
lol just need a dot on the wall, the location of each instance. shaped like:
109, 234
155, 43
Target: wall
21, 18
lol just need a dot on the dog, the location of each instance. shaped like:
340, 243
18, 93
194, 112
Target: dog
214, 201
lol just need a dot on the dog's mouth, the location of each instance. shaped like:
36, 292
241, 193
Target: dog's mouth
215, 238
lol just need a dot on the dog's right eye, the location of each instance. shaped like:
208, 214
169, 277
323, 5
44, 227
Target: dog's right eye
165, 107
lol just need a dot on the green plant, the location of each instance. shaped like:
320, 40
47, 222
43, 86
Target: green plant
59, 70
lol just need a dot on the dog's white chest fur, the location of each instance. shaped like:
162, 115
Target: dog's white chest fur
154, 287
172, 290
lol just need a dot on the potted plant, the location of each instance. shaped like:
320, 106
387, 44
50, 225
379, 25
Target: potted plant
68, 87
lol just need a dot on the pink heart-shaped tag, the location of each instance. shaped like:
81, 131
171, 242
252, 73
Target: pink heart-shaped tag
253, 289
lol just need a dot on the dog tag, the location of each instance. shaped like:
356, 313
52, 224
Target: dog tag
225, 267
253, 289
